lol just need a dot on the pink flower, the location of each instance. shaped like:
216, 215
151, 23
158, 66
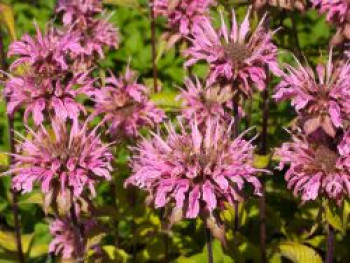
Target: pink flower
203, 103
194, 172
239, 57
78, 11
322, 98
182, 15
95, 33
337, 10
66, 161
63, 236
42, 97
46, 54
317, 168
98, 35
125, 105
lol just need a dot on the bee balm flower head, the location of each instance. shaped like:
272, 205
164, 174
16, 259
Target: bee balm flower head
193, 172
321, 98
63, 242
337, 11
239, 56
125, 105
316, 168
203, 103
182, 14
66, 162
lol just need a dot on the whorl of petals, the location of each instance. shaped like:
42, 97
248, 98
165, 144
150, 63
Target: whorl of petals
317, 169
44, 97
194, 172
125, 105
65, 161
238, 57
321, 97
202, 102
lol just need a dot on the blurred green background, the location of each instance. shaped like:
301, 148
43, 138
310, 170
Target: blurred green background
294, 231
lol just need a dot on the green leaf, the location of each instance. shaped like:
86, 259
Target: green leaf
33, 198
162, 46
219, 255
333, 218
38, 250
8, 241
166, 100
7, 18
261, 161
123, 3
299, 253
115, 254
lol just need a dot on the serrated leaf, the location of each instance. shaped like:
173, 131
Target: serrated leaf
299, 253
7, 18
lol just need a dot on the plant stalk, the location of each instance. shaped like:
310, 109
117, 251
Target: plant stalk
154, 50
330, 244
263, 151
164, 236
10, 121
209, 241
78, 242
235, 134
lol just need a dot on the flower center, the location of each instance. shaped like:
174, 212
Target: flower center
237, 52
325, 158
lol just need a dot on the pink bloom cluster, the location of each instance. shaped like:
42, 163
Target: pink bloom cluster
238, 57
203, 103
338, 11
46, 54
125, 105
182, 15
47, 84
63, 236
193, 171
321, 98
79, 11
95, 33
317, 168
47, 97
64, 160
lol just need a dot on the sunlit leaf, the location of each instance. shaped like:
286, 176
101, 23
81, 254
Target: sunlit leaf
261, 161
166, 100
7, 18
299, 253
333, 218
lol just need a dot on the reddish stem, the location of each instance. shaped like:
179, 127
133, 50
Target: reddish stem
330, 244
209, 245
78, 238
14, 194
263, 151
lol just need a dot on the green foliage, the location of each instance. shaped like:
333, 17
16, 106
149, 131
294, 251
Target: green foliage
294, 231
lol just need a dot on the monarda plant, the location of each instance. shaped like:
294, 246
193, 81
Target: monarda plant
127, 171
